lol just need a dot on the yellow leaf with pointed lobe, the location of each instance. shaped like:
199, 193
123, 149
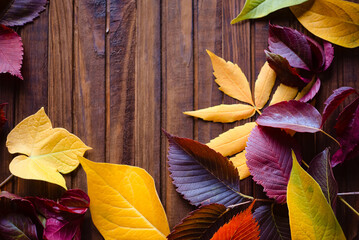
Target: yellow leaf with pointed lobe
45, 152
124, 202
231, 79
263, 86
310, 215
240, 162
283, 93
224, 113
336, 21
232, 141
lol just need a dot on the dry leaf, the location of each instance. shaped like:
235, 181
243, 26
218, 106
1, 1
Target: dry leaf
283, 93
240, 162
263, 86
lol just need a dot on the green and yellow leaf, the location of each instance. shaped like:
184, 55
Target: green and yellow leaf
283, 93
240, 162
263, 86
124, 202
45, 152
310, 215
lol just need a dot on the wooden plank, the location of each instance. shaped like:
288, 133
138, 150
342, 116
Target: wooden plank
148, 89
177, 91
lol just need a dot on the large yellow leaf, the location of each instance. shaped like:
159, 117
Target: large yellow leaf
224, 113
45, 151
336, 21
124, 202
283, 93
263, 86
310, 215
232, 141
240, 162
231, 79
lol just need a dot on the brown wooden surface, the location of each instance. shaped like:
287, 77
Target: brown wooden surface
116, 72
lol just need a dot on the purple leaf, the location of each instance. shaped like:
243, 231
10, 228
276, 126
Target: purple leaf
202, 175
345, 118
312, 92
329, 54
22, 11
294, 115
269, 159
317, 54
17, 227
291, 45
273, 222
334, 100
321, 171
62, 230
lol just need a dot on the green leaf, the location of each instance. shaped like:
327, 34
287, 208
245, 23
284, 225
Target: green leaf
261, 8
310, 215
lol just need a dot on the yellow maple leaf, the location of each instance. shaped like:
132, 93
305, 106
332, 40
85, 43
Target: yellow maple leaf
45, 152
128, 193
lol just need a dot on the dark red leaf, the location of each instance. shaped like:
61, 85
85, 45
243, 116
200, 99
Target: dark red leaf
294, 115
58, 230
22, 11
312, 92
321, 171
329, 54
202, 175
11, 52
317, 54
345, 118
273, 222
16, 226
334, 100
269, 159
2, 115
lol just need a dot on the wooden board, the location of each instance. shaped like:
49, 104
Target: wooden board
117, 72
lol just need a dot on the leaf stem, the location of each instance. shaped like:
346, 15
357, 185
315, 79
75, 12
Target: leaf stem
257, 110
6, 180
348, 205
348, 193
246, 196
331, 137
305, 164
239, 204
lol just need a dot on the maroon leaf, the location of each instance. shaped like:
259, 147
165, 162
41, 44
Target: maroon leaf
329, 54
312, 92
11, 52
269, 159
273, 222
321, 171
22, 11
16, 227
345, 118
317, 54
58, 230
2, 115
334, 100
294, 115
202, 175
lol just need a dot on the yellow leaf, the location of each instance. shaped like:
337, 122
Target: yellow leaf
232, 141
264, 85
240, 162
310, 215
224, 113
45, 151
336, 21
283, 93
231, 79
124, 202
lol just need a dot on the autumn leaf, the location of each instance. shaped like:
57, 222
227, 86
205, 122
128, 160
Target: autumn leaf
283, 93
17, 226
261, 8
11, 52
19, 12
269, 160
336, 21
2, 115
129, 194
241, 227
263, 85
310, 215
202, 175
44, 152
309, 91
240, 162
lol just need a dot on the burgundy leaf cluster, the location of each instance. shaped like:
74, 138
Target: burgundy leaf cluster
38, 218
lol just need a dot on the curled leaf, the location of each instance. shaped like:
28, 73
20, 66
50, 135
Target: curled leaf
263, 86
309, 91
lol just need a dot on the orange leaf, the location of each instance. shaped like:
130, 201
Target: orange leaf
263, 86
241, 227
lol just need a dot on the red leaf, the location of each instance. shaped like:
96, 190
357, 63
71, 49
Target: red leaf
294, 115
334, 100
202, 175
312, 92
2, 115
22, 11
269, 160
11, 52
329, 54
345, 118
17, 226
241, 227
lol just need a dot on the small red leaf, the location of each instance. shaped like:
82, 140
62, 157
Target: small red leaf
294, 115
241, 227
329, 54
312, 92
11, 52
2, 115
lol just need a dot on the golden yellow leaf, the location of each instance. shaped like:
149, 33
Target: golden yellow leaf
336, 21
124, 202
232, 141
231, 79
263, 86
283, 93
224, 113
240, 162
45, 151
